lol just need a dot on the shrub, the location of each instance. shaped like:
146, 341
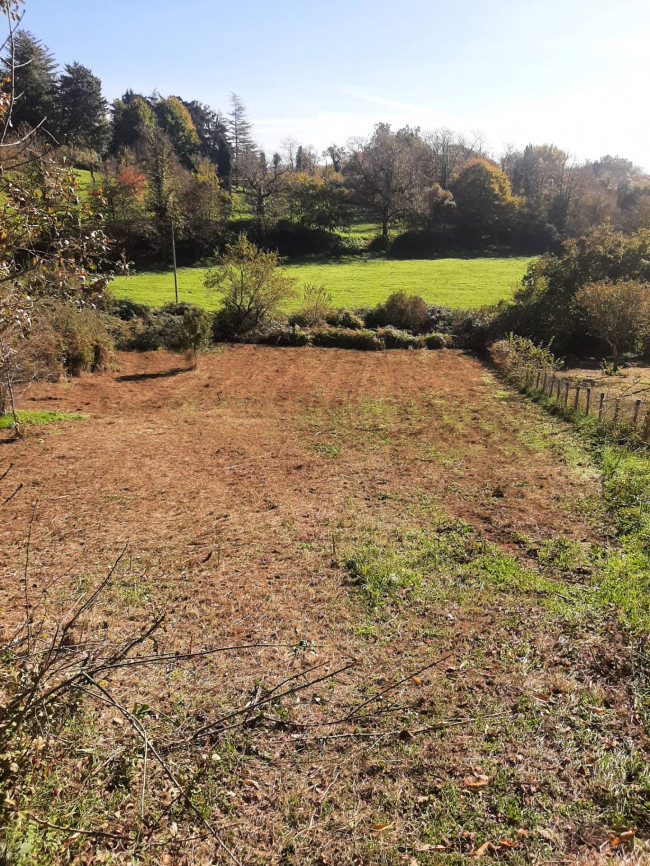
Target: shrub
251, 286
393, 338
68, 341
406, 312
196, 327
316, 304
345, 319
279, 335
347, 338
436, 341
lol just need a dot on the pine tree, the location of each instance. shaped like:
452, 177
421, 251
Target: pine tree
34, 83
82, 108
240, 129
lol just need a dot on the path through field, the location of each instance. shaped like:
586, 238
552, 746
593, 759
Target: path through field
398, 510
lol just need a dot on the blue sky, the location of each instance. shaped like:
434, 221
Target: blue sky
574, 72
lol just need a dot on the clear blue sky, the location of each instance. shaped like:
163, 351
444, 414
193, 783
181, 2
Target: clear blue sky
574, 72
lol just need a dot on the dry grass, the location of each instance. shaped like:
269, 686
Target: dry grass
400, 513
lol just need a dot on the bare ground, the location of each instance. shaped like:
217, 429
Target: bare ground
245, 490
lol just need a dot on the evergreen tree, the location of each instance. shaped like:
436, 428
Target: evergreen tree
240, 129
213, 137
82, 108
34, 82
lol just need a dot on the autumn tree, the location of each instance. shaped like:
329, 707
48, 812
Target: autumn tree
176, 122
616, 312
315, 203
263, 186
484, 201
252, 288
82, 109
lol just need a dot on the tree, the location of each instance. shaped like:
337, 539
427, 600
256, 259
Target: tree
315, 203
204, 209
615, 312
51, 243
175, 120
132, 118
483, 198
32, 68
213, 137
384, 172
164, 180
252, 288
240, 129
196, 329
263, 186
82, 108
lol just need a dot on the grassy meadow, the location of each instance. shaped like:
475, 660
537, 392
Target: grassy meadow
460, 283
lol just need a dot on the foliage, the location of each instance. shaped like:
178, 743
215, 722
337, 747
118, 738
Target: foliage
32, 73
484, 202
347, 338
196, 330
252, 288
315, 307
175, 121
616, 312
82, 108
345, 319
66, 341
408, 312
544, 308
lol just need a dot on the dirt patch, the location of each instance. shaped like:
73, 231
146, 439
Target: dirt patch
241, 489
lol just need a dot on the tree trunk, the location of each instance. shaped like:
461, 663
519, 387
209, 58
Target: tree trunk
615, 357
384, 223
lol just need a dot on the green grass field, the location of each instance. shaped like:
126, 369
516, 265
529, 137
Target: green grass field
463, 283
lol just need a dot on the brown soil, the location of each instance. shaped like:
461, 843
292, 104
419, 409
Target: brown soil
238, 488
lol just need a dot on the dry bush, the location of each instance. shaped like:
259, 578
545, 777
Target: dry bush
66, 341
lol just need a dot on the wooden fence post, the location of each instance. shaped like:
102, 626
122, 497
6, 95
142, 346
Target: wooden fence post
576, 399
550, 393
601, 406
588, 404
637, 406
566, 393
544, 382
559, 385
539, 373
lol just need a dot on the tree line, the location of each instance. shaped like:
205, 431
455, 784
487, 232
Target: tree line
158, 159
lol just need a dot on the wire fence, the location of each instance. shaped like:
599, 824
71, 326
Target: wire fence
627, 412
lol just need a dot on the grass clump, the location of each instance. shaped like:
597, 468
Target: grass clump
37, 417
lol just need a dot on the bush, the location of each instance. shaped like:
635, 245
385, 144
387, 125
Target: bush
279, 335
347, 338
436, 341
402, 311
316, 304
196, 327
68, 341
393, 338
345, 319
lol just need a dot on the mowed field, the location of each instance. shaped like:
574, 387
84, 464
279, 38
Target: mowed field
460, 283
396, 551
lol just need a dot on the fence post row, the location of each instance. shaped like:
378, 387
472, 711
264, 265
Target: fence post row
639, 421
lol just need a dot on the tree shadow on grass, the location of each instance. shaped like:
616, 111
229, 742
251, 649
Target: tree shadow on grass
163, 374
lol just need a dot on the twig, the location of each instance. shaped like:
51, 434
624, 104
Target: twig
106, 835
25, 576
140, 730
17, 490
6, 472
